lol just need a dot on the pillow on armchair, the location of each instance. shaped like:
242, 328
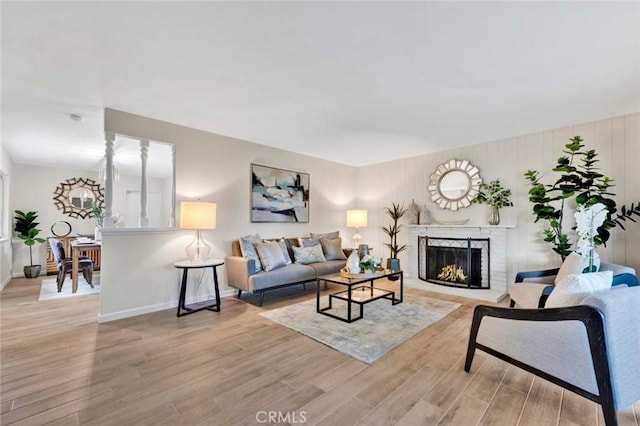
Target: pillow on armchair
572, 289
573, 264
529, 294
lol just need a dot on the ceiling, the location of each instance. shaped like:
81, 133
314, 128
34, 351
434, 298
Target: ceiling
353, 82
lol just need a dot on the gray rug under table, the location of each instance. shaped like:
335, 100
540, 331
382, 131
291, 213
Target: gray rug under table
383, 328
49, 288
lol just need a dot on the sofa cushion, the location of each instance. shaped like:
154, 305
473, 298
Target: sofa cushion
574, 288
332, 249
526, 295
308, 242
306, 255
329, 235
271, 256
283, 246
328, 267
288, 274
248, 249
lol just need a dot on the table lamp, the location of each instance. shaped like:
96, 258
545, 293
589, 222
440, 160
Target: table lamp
356, 219
197, 215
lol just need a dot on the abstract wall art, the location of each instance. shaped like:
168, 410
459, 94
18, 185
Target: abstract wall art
279, 195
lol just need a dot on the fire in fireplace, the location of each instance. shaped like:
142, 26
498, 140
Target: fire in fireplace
453, 274
457, 262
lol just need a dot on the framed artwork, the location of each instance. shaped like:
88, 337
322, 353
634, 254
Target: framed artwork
279, 195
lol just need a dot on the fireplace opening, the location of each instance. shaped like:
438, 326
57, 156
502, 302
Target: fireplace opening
454, 262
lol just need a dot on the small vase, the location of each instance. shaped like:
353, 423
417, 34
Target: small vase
425, 216
353, 263
413, 213
97, 234
494, 215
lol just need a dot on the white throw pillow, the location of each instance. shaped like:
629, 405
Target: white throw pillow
306, 255
573, 264
575, 287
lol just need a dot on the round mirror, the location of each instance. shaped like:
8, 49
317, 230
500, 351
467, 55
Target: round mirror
76, 197
454, 184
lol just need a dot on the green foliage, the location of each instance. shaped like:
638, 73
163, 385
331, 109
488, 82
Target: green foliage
26, 226
579, 179
493, 194
627, 213
25, 222
395, 212
96, 210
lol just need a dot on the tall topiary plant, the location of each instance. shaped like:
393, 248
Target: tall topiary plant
579, 179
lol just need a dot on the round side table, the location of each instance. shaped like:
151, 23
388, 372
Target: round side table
186, 265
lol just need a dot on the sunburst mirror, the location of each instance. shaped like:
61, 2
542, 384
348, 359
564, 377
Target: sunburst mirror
76, 197
454, 184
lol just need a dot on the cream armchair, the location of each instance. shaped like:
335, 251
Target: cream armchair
591, 349
532, 288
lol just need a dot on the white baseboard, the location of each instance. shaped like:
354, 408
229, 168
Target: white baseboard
5, 282
151, 308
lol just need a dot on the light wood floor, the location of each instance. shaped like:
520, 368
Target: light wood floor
60, 367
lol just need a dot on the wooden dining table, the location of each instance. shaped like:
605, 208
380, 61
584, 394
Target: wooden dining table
76, 249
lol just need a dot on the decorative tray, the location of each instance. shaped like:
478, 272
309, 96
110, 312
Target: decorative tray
451, 222
363, 275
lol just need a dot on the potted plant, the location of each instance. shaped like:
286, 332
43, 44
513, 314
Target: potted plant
395, 212
579, 179
495, 196
26, 226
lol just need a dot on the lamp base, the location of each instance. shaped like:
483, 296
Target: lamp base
198, 250
357, 238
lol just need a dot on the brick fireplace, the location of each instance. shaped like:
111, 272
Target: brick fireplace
455, 262
496, 269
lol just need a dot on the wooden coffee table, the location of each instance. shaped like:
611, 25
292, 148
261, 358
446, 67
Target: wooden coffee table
360, 290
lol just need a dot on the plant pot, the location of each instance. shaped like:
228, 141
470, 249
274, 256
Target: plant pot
394, 265
32, 271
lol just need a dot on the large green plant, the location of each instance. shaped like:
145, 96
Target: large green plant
395, 212
581, 180
26, 226
25, 222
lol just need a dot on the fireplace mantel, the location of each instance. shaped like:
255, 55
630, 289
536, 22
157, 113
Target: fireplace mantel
461, 226
498, 236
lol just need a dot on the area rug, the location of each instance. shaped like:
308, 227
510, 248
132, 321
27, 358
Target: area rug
49, 288
383, 327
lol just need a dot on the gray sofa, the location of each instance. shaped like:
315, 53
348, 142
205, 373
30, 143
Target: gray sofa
242, 275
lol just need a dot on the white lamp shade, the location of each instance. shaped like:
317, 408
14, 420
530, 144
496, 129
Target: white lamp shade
356, 218
197, 215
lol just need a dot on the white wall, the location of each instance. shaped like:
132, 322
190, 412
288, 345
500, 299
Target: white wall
137, 270
6, 252
617, 140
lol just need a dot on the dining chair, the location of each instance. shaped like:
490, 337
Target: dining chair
64, 264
